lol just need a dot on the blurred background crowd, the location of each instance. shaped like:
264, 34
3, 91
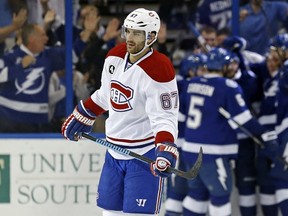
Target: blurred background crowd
96, 29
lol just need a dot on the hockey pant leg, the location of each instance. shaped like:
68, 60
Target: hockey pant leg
245, 177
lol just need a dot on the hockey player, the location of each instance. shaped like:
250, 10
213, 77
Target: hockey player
193, 65
205, 126
139, 90
268, 118
245, 166
280, 171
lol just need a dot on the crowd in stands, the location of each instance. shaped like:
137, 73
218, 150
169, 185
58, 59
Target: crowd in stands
32, 76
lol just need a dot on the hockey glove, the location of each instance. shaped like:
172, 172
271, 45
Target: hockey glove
81, 120
270, 144
166, 155
235, 43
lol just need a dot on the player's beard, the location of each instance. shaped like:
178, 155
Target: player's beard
229, 73
134, 48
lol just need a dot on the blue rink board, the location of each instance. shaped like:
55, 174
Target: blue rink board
40, 135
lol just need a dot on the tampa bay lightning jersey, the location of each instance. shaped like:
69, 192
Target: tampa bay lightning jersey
282, 103
205, 125
249, 85
267, 115
24, 91
280, 170
215, 13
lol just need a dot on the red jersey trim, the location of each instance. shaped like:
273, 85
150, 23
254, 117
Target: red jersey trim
130, 141
158, 67
119, 50
164, 136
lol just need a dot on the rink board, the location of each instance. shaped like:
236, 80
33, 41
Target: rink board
49, 177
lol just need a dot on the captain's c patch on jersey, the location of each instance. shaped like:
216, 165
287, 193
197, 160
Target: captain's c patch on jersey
120, 96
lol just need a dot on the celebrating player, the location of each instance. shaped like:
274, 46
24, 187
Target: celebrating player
280, 171
140, 92
193, 65
205, 126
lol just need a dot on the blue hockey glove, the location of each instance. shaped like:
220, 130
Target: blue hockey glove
81, 120
166, 155
234, 43
270, 144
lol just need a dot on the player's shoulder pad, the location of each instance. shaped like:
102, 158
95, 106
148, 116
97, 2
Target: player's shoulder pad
159, 67
119, 51
231, 83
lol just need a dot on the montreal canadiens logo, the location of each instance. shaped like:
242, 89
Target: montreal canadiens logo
120, 97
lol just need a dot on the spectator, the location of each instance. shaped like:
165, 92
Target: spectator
261, 20
161, 45
210, 35
222, 34
101, 41
214, 13
26, 71
38, 8
173, 13
18, 21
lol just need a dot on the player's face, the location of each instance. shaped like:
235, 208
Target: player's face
201, 70
273, 62
135, 40
231, 69
210, 38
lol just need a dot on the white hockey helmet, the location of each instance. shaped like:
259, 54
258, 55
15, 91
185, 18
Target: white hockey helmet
144, 20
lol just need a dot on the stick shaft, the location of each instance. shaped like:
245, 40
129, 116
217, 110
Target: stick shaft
142, 158
247, 132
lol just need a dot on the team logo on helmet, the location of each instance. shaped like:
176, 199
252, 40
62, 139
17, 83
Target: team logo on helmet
151, 14
120, 96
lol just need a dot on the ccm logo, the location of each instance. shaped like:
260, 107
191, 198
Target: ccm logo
120, 97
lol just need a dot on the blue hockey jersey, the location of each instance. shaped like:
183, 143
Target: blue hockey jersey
282, 104
215, 13
204, 125
280, 170
24, 91
267, 115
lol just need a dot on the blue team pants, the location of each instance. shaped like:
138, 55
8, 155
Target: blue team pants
129, 186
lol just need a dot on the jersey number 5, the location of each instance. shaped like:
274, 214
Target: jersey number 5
194, 113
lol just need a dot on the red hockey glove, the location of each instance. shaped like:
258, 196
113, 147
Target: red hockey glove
166, 155
81, 120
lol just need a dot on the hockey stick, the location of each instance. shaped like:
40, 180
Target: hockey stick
190, 174
227, 115
199, 37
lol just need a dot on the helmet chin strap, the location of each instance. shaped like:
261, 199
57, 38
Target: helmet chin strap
145, 46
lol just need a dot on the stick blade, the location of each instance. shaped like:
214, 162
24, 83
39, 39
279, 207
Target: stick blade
193, 172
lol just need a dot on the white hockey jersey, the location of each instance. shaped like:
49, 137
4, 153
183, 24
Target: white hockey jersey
142, 100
